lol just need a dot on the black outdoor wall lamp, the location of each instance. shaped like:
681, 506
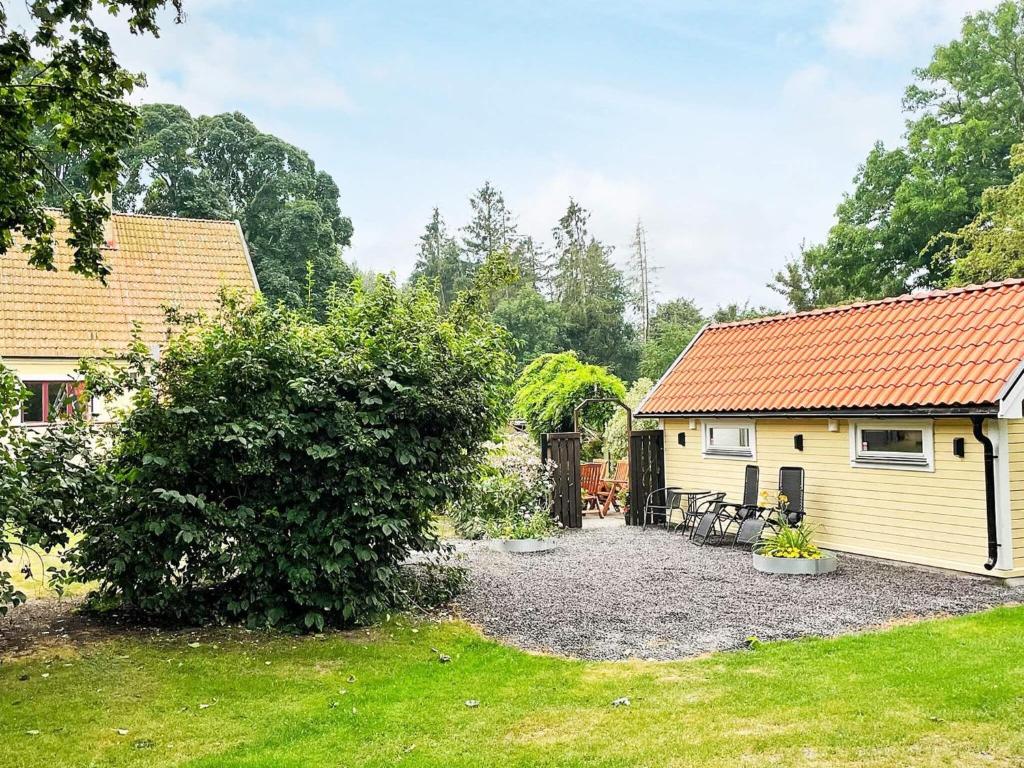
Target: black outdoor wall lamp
798, 442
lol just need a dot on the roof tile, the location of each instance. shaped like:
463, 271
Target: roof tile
943, 348
158, 262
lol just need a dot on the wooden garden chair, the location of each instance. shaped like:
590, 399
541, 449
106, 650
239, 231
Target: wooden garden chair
609, 494
590, 482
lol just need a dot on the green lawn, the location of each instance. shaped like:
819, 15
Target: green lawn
947, 692
39, 585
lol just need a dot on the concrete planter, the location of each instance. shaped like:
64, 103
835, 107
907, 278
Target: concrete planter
521, 546
796, 566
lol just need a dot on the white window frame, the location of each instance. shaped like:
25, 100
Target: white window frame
924, 462
747, 454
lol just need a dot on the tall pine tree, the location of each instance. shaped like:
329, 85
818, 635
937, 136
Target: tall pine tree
439, 261
491, 228
592, 296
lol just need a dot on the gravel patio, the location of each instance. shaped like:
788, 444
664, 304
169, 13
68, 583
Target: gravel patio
618, 592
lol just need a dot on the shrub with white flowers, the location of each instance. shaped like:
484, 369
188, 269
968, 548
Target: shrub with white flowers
510, 498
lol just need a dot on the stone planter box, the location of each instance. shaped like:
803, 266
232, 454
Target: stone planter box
796, 566
521, 546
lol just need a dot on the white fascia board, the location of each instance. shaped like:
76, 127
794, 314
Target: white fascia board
1011, 396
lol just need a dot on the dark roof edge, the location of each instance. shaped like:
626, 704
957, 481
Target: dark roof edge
834, 413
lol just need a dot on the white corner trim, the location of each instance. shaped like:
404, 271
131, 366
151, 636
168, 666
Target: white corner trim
927, 427
659, 382
1004, 516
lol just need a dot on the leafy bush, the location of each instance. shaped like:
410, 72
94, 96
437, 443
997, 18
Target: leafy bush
797, 541
45, 480
277, 470
431, 582
551, 386
616, 439
509, 498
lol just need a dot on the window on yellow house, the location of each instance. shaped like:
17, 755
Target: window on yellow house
729, 439
892, 444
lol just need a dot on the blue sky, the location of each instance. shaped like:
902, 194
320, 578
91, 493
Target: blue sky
730, 128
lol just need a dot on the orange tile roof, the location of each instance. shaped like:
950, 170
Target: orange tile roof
939, 349
158, 261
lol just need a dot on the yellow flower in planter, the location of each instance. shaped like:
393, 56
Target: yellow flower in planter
789, 542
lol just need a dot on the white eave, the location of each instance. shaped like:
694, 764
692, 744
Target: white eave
1011, 397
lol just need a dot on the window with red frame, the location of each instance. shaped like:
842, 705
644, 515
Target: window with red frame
49, 400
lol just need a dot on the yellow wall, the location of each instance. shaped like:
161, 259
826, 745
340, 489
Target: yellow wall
934, 518
42, 369
1015, 439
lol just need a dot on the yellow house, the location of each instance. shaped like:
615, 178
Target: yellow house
50, 320
905, 415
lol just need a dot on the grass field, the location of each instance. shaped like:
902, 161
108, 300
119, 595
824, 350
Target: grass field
39, 586
945, 692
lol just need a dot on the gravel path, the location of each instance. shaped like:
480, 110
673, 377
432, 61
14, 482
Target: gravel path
614, 593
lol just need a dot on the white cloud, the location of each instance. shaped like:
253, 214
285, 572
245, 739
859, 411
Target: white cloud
883, 28
207, 67
614, 203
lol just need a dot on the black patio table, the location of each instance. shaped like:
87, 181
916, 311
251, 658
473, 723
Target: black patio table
693, 499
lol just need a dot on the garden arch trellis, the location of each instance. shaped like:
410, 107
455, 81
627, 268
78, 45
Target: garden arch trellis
645, 451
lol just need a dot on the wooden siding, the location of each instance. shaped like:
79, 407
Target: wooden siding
1015, 438
933, 518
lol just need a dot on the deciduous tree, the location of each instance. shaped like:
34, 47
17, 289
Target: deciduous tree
966, 111
673, 325
223, 166
991, 247
62, 95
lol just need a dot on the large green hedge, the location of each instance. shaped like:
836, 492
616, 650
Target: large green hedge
551, 386
277, 470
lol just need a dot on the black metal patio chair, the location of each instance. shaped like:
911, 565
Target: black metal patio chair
711, 521
739, 512
660, 503
695, 507
791, 484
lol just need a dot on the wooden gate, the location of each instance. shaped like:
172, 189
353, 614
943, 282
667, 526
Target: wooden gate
563, 448
646, 471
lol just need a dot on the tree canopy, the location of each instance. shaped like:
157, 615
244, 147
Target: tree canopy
991, 247
224, 167
672, 326
966, 111
62, 95
574, 298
